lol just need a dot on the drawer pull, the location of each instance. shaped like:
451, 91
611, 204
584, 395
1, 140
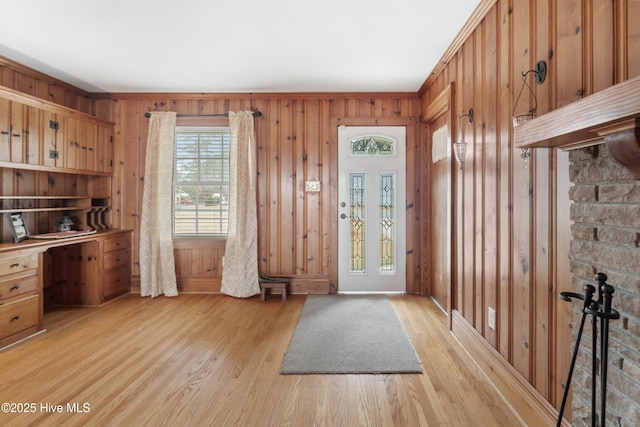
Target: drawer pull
15, 264
15, 287
15, 318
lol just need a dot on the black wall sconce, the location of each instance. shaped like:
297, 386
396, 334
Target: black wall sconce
540, 75
460, 147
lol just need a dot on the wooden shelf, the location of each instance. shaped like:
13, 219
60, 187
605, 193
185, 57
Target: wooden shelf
60, 209
71, 203
57, 169
582, 122
43, 197
611, 116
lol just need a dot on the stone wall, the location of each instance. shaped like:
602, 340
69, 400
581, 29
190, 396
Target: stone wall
606, 239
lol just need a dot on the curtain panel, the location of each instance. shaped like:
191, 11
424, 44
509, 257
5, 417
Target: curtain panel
157, 264
240, 269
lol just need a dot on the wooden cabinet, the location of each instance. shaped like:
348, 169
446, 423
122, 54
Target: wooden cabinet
5, 130
105, 149
12, 132
54, 162
90, 273
116, 266
20, 303
84, 144
51, 153
40, 135
43, 197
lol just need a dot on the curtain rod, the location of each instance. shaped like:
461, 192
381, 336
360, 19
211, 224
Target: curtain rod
255, 114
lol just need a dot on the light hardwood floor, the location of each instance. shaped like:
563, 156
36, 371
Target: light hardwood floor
213, 360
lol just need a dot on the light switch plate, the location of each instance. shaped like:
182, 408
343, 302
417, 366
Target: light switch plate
312, 186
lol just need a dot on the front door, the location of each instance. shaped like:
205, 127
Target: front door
371, 209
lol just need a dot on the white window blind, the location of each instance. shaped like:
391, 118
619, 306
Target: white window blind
201, 182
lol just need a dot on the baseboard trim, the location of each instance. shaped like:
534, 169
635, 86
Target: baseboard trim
300, 284
522, 396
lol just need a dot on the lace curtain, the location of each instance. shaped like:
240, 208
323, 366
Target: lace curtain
240, 270
157, 266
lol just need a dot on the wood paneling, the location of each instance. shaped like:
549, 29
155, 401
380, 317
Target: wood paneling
296, 141
512, 224
29, 81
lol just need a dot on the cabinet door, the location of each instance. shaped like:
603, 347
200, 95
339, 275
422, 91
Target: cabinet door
17, 133
51, 144
59, 128
18, 315
71, 145
91, 143
5, 130
81, 140
105, 149
12, 132
33, 136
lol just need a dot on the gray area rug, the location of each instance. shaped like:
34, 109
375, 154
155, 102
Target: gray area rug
349, 334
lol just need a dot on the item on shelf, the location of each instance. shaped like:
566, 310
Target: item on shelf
18, 227
64, 223
97, 218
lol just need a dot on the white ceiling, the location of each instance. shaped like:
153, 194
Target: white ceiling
228, 46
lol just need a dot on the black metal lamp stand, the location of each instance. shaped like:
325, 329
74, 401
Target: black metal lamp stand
597, 309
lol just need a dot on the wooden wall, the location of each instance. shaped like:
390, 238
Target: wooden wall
29, 81
296, 141
513, 227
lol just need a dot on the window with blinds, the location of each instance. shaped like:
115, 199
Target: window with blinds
201, 182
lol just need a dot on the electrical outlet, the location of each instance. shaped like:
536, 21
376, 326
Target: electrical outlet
491, 319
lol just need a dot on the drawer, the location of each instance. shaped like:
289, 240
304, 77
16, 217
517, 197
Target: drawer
116, 259
116, 282
116, 243
16, 264
18, 315
17, 285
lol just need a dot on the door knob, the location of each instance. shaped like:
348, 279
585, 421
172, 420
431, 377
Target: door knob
343, 216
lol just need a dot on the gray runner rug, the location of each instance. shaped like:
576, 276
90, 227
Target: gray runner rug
349, 334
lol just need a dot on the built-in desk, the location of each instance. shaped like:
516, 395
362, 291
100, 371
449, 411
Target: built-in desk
85, 270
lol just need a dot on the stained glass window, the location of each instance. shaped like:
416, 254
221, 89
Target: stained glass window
357, 189
387, 223
372, 146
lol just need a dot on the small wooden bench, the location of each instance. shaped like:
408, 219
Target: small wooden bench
269, 283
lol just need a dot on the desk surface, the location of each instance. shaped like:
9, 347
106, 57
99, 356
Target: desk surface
44, 244
62, 234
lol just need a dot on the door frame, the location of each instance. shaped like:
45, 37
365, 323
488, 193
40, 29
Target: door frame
412, 226
441, 105
372, 280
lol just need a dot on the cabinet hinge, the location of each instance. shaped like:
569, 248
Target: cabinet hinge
53, 154
111, 139
54, 125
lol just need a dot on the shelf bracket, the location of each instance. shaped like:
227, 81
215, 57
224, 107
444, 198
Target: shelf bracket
623, 142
